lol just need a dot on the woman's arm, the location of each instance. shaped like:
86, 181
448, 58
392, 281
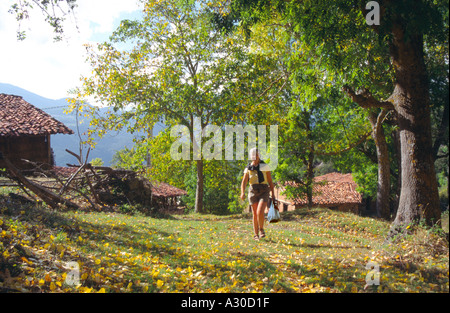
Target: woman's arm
243, 185
271, 185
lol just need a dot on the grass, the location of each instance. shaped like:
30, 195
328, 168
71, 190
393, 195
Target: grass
315, 250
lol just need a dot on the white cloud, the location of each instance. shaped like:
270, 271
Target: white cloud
50, 68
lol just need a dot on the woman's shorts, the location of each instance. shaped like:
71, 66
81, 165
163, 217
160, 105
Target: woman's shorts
258, 192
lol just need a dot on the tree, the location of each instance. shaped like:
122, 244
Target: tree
437, 61
54, 11
297, 101
180, 70
411, 101
384, 173
339, 31
317, 130
298, 143
312, 120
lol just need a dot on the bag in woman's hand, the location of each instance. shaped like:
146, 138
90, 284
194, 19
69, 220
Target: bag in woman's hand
274, 215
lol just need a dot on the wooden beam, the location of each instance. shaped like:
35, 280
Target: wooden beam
46, 195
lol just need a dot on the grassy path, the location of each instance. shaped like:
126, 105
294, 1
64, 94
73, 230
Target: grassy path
309, 251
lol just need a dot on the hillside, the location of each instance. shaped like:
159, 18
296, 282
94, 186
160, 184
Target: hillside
315, 250
106, 146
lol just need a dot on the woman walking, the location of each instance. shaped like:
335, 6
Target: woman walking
257, 173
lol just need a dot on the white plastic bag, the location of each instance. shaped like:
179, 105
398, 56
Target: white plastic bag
274, 215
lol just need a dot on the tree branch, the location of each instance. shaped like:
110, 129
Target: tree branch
351, 146
270, 86
276, 94
366, 100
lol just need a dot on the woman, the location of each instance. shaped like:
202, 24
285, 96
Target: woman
258, 175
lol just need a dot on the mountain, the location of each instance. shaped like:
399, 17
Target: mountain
105, 148
36, 100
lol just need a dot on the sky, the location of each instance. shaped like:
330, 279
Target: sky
51, 69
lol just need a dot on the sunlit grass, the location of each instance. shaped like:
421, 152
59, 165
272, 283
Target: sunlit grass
315, 250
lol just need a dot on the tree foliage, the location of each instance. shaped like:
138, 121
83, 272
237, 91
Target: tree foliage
372, 63
314, 119
54, 11
314, 68
178, 70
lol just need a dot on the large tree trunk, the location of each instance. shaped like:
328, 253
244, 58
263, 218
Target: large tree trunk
384, 176
419, 199
398, 161
309, 159
196, 128
199, 189
310, 178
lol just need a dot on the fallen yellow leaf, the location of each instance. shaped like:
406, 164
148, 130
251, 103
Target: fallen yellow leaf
48, 278
52, 286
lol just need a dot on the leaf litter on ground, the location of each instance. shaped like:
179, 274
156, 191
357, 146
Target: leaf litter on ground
316, 250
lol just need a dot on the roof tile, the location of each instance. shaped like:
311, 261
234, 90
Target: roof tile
19, 118
335, 189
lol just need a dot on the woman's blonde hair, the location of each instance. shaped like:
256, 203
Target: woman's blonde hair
253, 153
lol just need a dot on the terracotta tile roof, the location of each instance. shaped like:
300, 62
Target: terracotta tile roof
166, 190
64, 171
19, 118
336, 188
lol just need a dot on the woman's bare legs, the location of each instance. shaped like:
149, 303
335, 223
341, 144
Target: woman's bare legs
261, 210
255, 219
258, 209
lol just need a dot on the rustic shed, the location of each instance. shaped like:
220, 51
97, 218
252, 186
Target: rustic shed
335, 191
137, 188
25, 132
165, 195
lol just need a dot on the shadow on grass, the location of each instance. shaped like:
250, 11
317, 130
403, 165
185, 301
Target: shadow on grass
315, 246
300, 214
122, 236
